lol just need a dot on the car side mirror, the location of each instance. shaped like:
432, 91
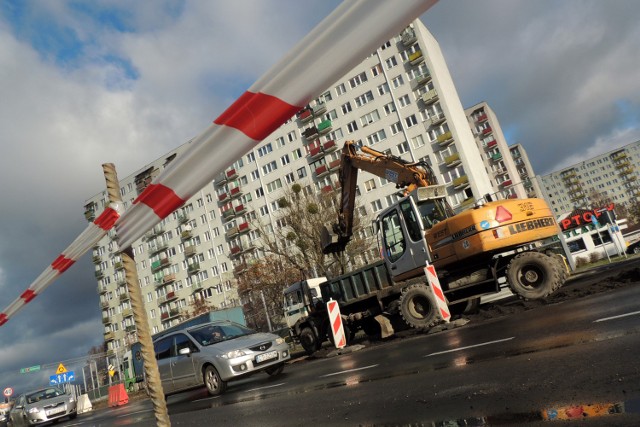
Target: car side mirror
185, 351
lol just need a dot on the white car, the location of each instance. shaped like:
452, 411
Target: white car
42, 406
214, 353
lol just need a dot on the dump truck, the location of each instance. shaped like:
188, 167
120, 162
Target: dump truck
474, 252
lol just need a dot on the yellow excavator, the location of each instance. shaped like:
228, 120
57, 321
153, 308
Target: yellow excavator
474, 251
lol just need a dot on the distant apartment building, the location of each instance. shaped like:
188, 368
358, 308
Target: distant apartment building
613, 175
401, 99
508, 168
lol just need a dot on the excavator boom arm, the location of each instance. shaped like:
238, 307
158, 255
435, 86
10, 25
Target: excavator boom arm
406, 175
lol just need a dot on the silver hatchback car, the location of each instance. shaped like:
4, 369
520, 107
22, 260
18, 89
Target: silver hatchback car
214, 353
42, 406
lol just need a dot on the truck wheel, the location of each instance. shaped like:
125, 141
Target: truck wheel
532, 275
213, 381
309, 342
417, 306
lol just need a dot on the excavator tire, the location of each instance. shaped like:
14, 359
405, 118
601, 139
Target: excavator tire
418, 307
309, 341
563, 268
533, 275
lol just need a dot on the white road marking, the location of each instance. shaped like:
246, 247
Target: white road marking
469, 346
207, 398
347, 371
604, 319
265, 387
134, 413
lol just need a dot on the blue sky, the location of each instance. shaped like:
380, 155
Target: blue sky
89, 82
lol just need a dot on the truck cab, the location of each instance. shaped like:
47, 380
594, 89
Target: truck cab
300, 298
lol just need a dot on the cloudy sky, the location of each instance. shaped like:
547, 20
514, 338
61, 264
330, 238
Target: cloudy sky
88, 82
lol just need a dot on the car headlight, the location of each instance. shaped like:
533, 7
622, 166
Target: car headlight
233, 354
279, 340
34, 410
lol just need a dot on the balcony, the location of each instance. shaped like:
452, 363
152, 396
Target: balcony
168, 278
109, 336
235, 192
619, 155
437, 119
330, 146
124, 297
445, 139
102, 290
96, 259
327, 189
304, 115
236, 250
430, 97
422, 79
321, 171
486, 131
416, 57
491, 144
198, 286
170, 296
243, 228
104, 304
118, 265
240, 209
161, 263
193, 268
481, 118
99, 274
106, 320
461, 182
310, 133
223, 197
157, 248
452, 160
232, 232
183, 218
171, 314
335, 164
319, 108
228, 213
90, 212
240, 268
506, 183
408, 36
496, 157
127, 312
315, 151
231, 174
130, 328
324, 127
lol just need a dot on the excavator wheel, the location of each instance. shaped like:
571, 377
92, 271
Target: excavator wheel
563, 268
533, 275
418, 307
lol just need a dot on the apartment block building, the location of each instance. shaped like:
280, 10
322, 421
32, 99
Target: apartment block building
614, 174
508, 167
401, 99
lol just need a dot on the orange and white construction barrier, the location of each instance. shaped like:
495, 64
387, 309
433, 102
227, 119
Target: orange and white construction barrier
436, 289
89, 237
335, 321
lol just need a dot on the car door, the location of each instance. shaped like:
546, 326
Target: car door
183, 366
162, 349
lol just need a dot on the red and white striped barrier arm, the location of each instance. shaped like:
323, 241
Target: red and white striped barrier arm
89, 237
340, 42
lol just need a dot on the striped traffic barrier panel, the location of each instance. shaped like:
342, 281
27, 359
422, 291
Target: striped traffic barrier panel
89, 237
436, 289
335, 321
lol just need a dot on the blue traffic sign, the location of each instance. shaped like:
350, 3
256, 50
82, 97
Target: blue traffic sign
66, 377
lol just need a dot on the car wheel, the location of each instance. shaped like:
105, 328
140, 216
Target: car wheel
275, 370
73, 416
215, 384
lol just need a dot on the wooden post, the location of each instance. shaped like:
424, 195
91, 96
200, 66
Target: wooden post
139, 313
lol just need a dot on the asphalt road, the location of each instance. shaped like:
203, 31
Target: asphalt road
576, 356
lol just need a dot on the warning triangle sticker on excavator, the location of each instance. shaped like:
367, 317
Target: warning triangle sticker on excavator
61, 369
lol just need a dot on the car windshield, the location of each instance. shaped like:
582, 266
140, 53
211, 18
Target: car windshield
46, 393
217, 332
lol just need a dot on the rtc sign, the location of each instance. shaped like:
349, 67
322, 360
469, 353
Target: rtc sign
582, 218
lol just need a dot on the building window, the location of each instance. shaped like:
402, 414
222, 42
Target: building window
397, 82
358, 80
341, 89
391, 62
364, 98
389, 108
346, 108
376, 70
396, 128
404, 101
411, 121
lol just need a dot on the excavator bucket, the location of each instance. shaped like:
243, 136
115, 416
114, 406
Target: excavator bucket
329, 245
